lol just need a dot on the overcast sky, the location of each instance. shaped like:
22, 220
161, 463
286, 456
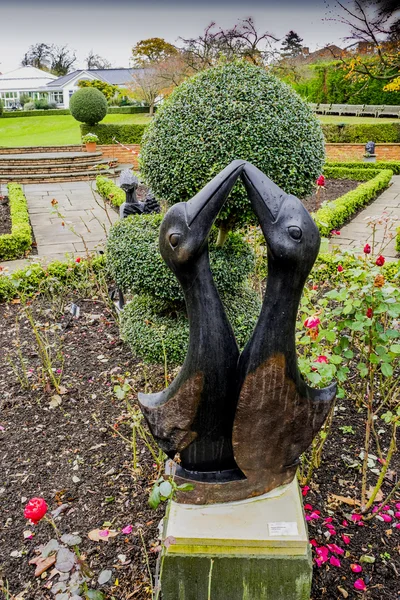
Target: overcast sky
110, 28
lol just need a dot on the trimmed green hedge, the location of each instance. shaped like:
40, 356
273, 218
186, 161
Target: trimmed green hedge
355, 173
109, 191
149, 329
381, 133
128, 110
393, 165
126, 133
398, 240
36, 113
19, 241
44, 278
334, 214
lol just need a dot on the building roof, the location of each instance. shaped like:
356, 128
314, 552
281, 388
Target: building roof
25, 78
112, 76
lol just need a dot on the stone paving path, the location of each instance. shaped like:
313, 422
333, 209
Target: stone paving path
356, 234
77, 203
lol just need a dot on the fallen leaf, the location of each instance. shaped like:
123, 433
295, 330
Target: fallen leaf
55, 401
344, 500
42, 564
343, 592
379, 496
96, 536
62, 390
70, 539
104, 576
65, 560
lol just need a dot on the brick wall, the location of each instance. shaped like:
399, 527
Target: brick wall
350, 152
124, 156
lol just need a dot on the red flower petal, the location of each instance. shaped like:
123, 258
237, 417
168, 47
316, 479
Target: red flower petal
360, 585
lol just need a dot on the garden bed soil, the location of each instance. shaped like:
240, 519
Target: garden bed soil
5, 218
334, 188
72, 456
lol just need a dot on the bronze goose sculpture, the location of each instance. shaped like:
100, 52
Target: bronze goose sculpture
194, 415
240, 424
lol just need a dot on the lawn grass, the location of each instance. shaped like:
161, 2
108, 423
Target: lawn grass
63, 129
335, 119
51, 131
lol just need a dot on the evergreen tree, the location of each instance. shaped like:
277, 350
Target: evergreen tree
292, 44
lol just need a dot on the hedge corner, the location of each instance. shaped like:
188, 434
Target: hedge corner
15, 244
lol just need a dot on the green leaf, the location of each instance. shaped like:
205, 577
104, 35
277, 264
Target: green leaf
165, 489
185, 487
330, 336
395, 348
387, 369
155, 497
94, 595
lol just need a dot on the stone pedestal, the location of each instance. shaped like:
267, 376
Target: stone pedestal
255, 549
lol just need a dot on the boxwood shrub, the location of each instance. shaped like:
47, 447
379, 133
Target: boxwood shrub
233, 111
135, 263
109, 191
355, 173
127, 110
19, 241
88, 105
381, 133
334, 214
126, 133
36, 113
393, 165
54, 277
150, 330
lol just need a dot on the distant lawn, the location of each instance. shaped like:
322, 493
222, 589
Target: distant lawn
62, 130
51, 131
355, 120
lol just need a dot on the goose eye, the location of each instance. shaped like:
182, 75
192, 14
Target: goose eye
174, 239
295, 232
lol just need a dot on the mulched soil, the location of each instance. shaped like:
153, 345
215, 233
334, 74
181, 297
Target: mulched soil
5, 219
42, 449
334, 188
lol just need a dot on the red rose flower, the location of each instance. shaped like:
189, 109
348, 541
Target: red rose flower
35, 510
335, 232
78, 259
321, 181
311, 322
380, 261
367, 249
322, 360
369, 313
340, 268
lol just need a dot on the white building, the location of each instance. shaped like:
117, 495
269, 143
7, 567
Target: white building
26, 80
40, 84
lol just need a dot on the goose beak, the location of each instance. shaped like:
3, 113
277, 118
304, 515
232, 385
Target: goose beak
203, 208
266, 197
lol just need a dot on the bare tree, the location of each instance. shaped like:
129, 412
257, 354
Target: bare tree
39, 56
373, 49
57, 59
240, 41
95, 61
147, 86
62, 60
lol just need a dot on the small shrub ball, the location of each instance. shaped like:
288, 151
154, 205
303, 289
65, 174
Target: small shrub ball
233, 111
88, 105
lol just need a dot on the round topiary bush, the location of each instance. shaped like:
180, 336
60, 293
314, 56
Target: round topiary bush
150, 329
135, 263
88, 105
229, 112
